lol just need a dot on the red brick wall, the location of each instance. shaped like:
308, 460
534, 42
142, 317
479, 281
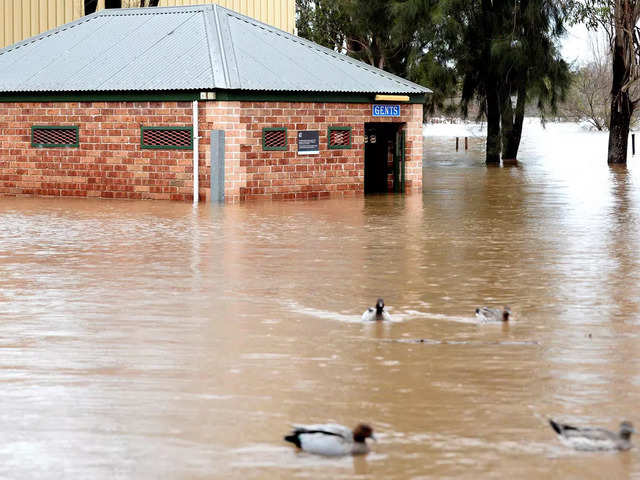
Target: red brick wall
109, 162
252, 173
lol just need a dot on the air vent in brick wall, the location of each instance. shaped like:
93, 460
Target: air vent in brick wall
339, 137
167, 138
274, 138
54, 136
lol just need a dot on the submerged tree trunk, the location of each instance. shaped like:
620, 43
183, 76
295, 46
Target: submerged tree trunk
506, 121
492, 99
621, 104
493, 125
619, 132
511, 144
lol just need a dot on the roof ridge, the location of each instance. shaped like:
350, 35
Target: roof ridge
223, 55
208, 35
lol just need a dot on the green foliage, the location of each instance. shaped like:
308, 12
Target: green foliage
402, 37
592, 13
515, 42
458, 48
322, 22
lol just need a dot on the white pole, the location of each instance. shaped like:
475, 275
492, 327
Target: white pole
196, 143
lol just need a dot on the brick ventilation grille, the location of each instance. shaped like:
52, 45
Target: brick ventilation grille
339, 138
55, 136
166, 138
275, 139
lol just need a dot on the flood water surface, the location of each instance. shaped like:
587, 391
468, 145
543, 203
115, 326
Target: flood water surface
155, 340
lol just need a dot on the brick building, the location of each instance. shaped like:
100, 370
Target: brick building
125, 103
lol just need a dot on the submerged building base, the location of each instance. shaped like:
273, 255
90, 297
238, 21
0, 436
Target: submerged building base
143, 149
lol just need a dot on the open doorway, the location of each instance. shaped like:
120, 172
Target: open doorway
384, 156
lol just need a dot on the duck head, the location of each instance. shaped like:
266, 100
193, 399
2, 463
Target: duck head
626, 429
506, 313
362, 432
379, 306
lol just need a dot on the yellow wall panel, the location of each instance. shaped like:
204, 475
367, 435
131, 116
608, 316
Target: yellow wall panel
22, 19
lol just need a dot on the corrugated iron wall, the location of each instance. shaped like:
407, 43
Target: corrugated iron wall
279, 13
20, 19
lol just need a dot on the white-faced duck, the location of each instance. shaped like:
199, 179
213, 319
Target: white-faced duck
486, 314
592, 439
331, 439
376, 313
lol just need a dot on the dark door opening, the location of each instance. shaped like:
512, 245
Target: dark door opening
383, 157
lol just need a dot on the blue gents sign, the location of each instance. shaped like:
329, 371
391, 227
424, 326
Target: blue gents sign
386, 110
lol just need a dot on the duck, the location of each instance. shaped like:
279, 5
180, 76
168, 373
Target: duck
592, 439
486, 314
331, 439
376, 313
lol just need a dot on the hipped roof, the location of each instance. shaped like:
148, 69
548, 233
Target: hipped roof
204, 47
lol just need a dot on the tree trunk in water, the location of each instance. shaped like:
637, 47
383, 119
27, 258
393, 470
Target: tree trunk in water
492, 97
619, 131
512, 143
621, 109
506, 122
493, 123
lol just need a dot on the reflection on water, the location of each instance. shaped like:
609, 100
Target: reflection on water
154, 340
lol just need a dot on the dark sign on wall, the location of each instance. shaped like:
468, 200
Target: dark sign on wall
308, 142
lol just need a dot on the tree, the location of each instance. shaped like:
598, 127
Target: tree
397, 36
625, 67
534, 69
363, 29
588, 100
619, 18
508, 54
430, 33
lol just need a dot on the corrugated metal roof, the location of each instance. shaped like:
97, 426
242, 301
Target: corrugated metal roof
205, 47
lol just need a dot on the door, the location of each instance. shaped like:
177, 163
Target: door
384, 155
398, 162
376, 150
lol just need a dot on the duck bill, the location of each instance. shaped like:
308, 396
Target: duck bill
372, 437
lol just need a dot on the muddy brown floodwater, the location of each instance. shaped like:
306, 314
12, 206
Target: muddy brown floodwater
149, 340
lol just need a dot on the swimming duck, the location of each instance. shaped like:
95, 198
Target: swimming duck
377, 313
594, 438
486, 314
331, 439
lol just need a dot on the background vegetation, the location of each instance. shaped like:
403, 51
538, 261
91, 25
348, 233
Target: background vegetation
499, 56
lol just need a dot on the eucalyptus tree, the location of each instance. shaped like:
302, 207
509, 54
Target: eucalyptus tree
619, 18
